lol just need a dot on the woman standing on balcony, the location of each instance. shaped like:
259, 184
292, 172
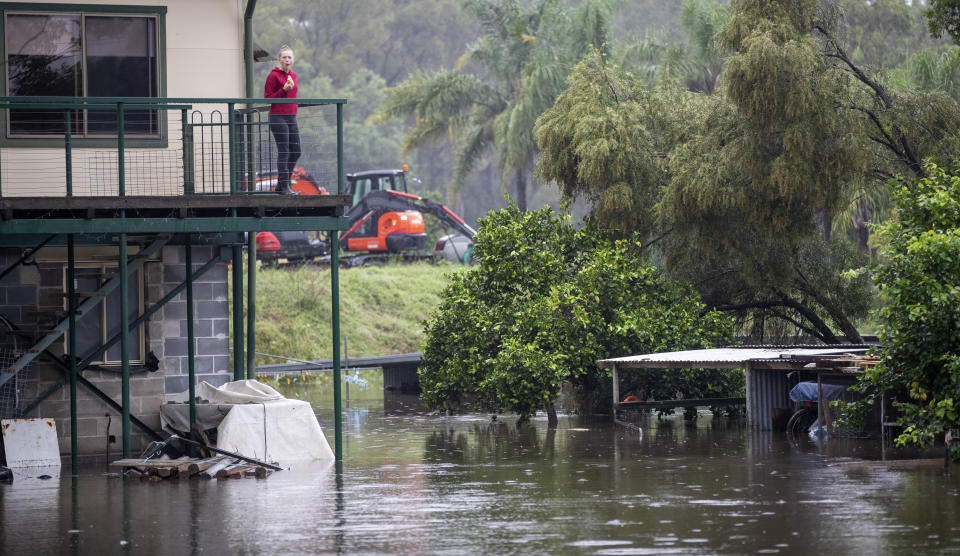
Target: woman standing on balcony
282, 83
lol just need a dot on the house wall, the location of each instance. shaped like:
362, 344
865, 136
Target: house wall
32, 292
203, 59
204, 41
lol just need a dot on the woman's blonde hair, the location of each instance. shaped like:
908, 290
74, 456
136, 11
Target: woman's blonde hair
282, 48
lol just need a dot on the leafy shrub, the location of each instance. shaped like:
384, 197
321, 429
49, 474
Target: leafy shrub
919, 282
544, 302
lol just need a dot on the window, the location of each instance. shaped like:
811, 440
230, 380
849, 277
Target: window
94, 51
96, 327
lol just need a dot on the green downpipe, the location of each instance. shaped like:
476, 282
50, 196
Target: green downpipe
191, 338
72, 354
121, 143
339, 149
68, 153
251, 186
337, 379
248, 46
232, 133
251, 304
125, 343
238, 351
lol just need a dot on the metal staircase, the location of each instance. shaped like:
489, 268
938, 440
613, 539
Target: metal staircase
20, 360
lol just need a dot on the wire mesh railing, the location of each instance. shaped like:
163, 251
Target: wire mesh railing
56, 147
19, 392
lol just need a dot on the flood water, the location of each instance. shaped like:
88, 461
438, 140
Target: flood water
414, 482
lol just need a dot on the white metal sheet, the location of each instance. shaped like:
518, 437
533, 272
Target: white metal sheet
30, 442
727, 356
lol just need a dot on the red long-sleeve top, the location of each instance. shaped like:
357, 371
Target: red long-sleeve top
273, 88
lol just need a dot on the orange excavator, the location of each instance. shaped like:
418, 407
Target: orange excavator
385, 219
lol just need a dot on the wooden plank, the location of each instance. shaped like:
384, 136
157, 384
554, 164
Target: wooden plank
136, 462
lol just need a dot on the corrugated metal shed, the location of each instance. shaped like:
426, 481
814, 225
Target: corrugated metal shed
768, 357
766, 380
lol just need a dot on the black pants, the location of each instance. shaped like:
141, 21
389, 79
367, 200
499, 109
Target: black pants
287, 135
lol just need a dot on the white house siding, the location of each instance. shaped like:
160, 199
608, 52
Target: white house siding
203, 59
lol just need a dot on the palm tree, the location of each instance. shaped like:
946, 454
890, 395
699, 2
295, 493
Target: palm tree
501, 84
696, 64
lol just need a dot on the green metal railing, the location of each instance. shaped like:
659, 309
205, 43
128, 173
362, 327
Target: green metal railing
244, 122
237, 154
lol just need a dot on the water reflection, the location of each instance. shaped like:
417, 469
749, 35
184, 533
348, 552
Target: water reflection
416, 482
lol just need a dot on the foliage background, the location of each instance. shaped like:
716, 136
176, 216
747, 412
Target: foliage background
544, 302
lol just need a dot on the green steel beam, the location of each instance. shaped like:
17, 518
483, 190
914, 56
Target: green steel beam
72, 354
237, 312
161, 102
191, 339
24, 359
125, 344
251, 305
335, 326
93, 390
116, 338
67, 107
172, 225
149, 312
25, 256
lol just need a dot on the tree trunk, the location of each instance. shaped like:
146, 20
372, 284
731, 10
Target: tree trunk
521, 190
552, 420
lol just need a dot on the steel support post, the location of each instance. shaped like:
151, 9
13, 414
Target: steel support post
125, 343
615, 376
251, 304
72, 353
335, 290
191, 336
335, 325
238, 351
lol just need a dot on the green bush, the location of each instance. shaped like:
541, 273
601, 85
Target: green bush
543, 303
919, 282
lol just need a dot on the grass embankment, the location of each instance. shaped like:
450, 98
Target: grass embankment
381, 309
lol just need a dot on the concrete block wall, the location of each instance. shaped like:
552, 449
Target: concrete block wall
168, 333
31, 292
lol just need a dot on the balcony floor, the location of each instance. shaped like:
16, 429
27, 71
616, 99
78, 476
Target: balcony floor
158, 214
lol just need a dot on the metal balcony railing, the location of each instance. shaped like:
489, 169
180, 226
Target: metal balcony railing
107, 147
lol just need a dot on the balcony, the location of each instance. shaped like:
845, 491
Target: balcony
95, 165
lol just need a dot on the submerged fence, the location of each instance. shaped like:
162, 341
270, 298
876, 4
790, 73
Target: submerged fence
56, 146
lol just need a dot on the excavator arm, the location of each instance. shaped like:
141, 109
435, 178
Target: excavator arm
390, 200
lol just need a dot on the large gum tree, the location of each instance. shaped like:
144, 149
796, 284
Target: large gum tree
759, 192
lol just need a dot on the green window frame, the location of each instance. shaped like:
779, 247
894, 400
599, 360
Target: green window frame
91, 127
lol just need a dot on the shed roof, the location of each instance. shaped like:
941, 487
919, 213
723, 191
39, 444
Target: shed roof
769, 357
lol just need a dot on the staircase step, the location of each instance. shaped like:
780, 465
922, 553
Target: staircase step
28, 332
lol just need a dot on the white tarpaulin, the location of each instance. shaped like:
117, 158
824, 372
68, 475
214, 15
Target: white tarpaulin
262, 424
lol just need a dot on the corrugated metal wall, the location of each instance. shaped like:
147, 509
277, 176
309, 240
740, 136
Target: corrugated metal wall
402, 378
766, 390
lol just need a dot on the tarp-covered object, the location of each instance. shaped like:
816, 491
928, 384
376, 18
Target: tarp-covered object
807, 392
262, 424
